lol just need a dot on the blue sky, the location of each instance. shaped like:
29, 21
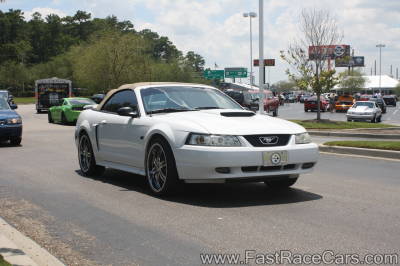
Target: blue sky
217, 30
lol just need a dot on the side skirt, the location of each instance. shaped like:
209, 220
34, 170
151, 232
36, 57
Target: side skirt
123, 167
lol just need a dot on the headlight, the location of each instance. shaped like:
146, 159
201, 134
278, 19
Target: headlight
303, 138
16, 120
213, 140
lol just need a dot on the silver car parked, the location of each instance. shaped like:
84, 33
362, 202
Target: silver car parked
365, 110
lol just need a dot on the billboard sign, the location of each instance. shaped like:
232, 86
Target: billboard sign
350, 61
328, 51
267, 62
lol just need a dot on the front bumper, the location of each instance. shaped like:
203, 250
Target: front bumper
199, 163
360, 116
72, 116
8, 131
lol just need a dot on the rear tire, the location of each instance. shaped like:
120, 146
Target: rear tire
373, 119
15, 141
161, 172
379, 119
282, 183
275, 112
50, 117
87, 161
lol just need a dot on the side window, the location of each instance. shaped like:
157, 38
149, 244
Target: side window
125, 98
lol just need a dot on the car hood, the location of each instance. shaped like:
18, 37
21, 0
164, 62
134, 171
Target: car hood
5, 114
361, 109
213, 122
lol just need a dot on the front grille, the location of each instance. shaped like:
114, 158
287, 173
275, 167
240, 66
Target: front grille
258, 141
247, 169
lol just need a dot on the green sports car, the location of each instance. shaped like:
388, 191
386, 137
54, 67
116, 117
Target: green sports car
68, 111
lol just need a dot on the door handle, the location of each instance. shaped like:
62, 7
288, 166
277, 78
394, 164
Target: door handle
103, 122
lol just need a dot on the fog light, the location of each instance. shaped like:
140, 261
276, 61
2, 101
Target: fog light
307, 165
223, 170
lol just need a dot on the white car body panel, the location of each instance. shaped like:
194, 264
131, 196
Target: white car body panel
120, 142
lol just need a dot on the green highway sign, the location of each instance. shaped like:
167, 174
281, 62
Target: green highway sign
236, 72
213, 74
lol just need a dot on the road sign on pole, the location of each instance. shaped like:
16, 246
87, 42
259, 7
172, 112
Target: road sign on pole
213, 74
235, 72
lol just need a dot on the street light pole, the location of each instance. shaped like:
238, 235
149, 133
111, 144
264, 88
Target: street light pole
251, 15
261, 55
380, 46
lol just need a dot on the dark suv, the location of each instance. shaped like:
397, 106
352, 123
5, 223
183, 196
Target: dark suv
380, 102
389, 100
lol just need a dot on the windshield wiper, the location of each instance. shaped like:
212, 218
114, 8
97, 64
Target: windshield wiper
207, 107
170, 110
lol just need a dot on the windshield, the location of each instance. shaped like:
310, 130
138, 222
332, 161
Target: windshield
81, 102
4, 95
4, 104
370, 105
185, 98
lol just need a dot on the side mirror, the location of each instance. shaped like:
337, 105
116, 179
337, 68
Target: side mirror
127, 111
13, 106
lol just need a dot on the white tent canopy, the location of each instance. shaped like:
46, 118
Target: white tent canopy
372, 84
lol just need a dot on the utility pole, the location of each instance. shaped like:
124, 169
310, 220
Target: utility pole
375, 67
251, 15
261, 55
380, 46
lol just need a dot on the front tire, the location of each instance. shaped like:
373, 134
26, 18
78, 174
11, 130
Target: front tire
50, 117
87, 161
161, 172
63, 119
281, 183
15, 141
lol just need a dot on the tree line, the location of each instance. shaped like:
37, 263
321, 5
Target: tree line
95, 53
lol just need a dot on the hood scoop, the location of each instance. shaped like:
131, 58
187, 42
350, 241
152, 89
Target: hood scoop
237, 114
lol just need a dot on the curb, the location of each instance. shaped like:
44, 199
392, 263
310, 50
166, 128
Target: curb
360, 151
355, 135
18, 249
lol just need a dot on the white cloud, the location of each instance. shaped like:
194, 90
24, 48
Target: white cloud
45, 11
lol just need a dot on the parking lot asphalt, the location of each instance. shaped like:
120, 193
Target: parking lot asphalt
296, 111
347, 205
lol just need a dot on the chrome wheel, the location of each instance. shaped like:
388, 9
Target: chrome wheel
85, 153
156, 167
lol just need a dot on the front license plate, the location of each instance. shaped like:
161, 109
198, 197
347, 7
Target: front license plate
272, 158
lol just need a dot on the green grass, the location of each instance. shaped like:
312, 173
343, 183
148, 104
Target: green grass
24, 100
328, 124
380, 145
3, 262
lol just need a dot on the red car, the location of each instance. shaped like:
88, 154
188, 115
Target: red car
311, 104
271, 103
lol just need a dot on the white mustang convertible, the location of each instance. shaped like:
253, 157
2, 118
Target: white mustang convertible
174, 132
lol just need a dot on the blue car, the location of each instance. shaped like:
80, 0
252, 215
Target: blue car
10, 123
